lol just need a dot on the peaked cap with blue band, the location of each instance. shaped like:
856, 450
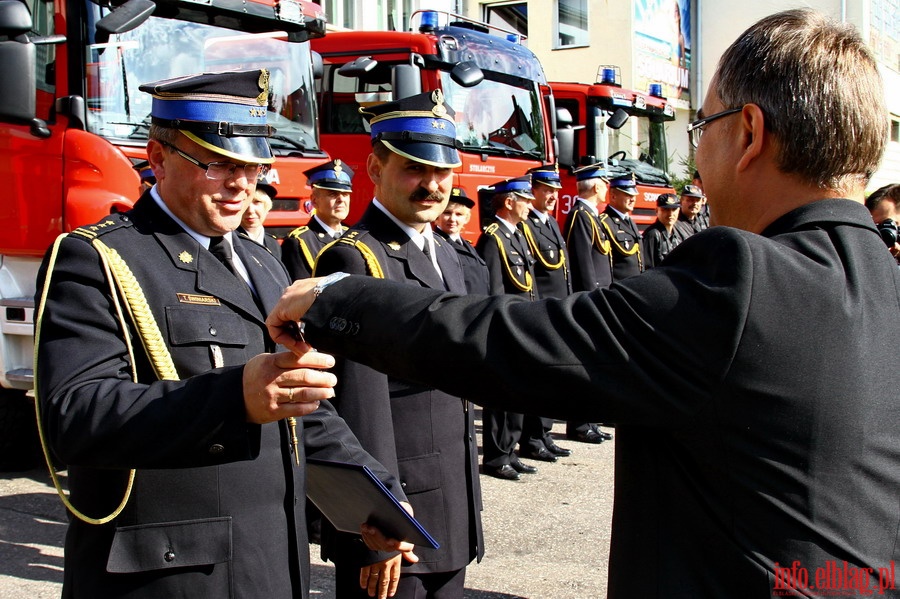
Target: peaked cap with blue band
223, 112
547, 174
419, 127
624, 183
333, 175
592, 171
521, 186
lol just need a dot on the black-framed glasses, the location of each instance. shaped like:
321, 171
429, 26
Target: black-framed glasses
695, 129
218, 171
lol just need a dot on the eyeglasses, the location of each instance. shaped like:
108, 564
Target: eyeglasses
695, 129
217, 171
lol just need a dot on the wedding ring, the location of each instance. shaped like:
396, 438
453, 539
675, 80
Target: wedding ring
290, 395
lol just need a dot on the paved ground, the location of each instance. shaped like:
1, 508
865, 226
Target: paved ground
547, 536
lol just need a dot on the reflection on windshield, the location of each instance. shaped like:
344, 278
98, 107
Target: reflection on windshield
164, 48
493, 116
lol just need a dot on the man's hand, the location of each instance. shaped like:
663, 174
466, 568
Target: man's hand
285, 384
382, 578
283, 319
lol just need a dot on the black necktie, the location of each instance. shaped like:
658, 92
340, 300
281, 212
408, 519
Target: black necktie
219, 248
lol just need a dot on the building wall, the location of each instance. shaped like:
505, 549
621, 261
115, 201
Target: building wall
716, 25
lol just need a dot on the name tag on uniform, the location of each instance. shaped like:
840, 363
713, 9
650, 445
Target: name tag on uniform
203, 300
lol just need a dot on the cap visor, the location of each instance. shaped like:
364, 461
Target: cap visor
333, 186
431, 154
245, 149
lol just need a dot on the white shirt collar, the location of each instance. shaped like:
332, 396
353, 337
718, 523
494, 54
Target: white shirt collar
328, 229
589, 206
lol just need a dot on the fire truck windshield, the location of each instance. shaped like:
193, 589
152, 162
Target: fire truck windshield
639, 146
497, 118
164, 48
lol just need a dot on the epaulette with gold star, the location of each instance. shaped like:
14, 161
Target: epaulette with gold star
111, 223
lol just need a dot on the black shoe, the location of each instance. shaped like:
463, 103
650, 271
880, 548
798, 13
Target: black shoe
603, 435
504, 472
588, 436
522, 468
542, 454
556, 449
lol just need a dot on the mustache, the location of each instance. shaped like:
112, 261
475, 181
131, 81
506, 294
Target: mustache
424, 195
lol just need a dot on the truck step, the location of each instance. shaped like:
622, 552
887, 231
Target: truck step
17, 316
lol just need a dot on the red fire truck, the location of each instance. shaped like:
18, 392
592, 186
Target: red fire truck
73, 125
603, 122
495, 85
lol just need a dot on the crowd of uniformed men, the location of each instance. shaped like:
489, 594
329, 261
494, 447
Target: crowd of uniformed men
186, 432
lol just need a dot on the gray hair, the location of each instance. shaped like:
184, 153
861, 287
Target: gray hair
820, 91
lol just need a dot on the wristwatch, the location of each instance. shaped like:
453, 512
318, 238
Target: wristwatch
329, 280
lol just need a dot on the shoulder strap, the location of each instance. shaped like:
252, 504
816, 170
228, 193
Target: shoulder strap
372, 264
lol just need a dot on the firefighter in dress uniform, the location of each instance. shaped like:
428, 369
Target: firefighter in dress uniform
552, 278
624, 236
184, 435
510, 263
590, 256
424, 436
332, 184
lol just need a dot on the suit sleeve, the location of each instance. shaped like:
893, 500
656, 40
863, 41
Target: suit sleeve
606, 356
94, 414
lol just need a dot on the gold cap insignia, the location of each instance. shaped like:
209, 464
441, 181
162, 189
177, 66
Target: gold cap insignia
337, 167
186, 257
263, 98
393, 244
439, 110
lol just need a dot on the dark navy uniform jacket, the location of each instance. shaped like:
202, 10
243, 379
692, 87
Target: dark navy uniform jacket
589, 249
300, 248
771, 441
508, 259
217, 508
426, 437
625, 239
551, 266
658, 243
475, 271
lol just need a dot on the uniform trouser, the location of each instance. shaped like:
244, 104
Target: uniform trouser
500, 433
440, 585
535, 433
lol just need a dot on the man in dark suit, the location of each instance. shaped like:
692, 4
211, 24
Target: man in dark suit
332, 184
552, 278
764, 461
622, 232
511, 267
424, 436
591, 257
152, 355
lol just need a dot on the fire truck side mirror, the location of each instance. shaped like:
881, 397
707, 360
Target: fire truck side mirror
17, 63
126, 17
467, 74
617, 119
565, 138
318, 65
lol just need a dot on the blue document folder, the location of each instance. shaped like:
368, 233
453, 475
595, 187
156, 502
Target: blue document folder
350, 494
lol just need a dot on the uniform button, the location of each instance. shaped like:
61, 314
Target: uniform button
169, 556
402, 485
213, 331
216, 448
